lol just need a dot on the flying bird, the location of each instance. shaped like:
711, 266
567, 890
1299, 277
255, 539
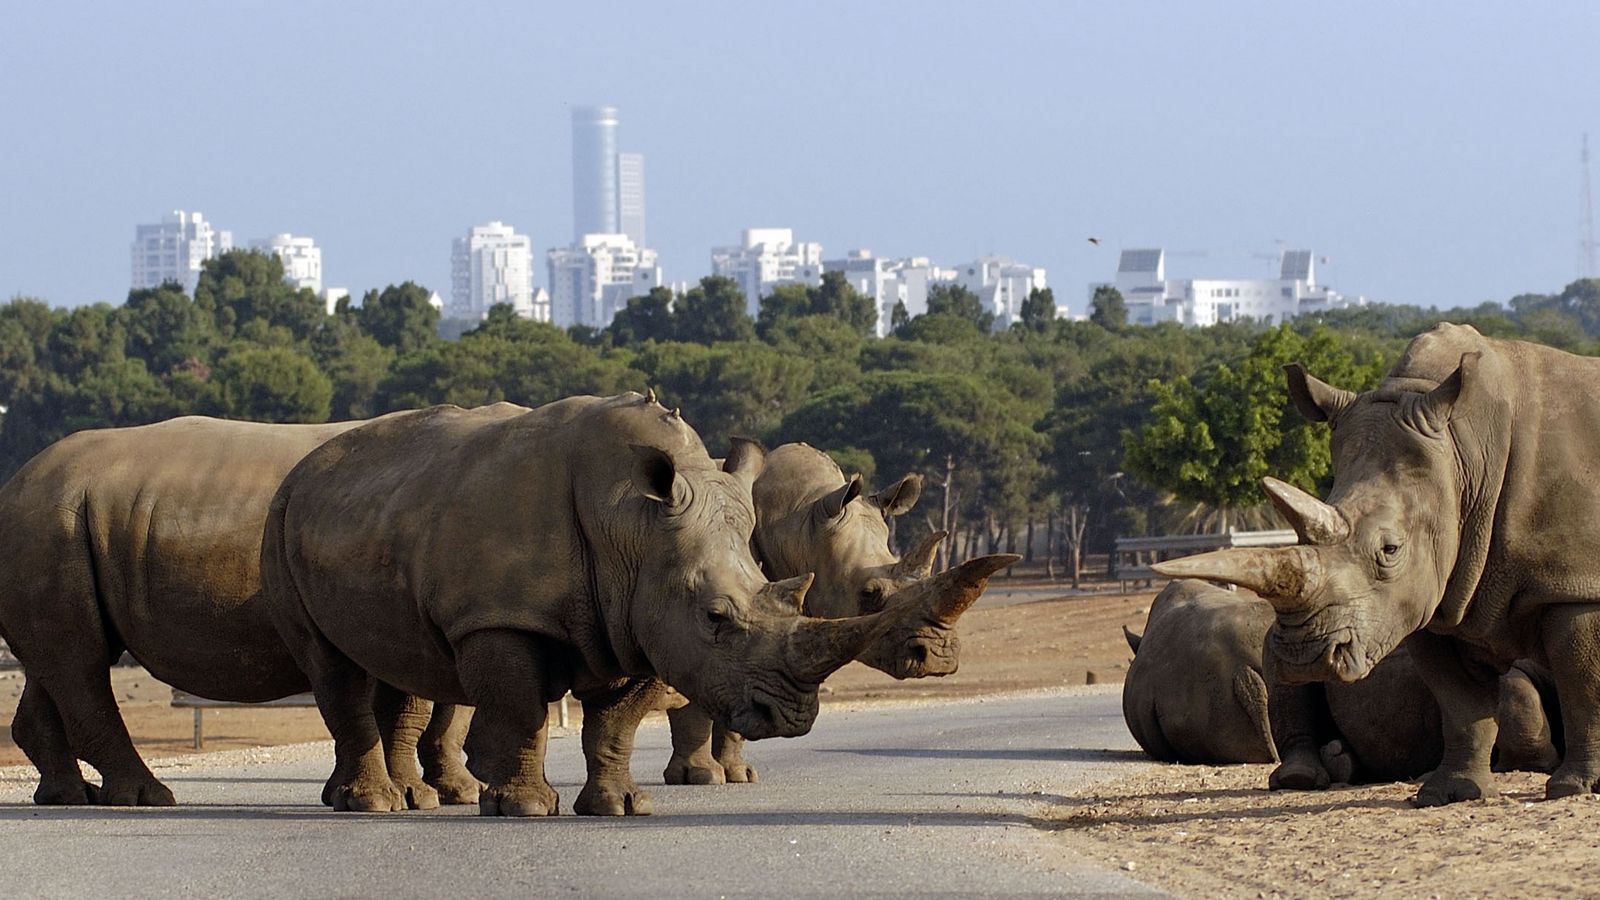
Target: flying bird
1095, 241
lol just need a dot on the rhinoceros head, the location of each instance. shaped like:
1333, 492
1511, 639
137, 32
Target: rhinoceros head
1373, 561
707, 620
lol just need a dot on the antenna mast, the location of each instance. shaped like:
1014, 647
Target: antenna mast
1586, 267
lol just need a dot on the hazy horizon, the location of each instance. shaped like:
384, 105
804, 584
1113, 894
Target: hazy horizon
1432, 156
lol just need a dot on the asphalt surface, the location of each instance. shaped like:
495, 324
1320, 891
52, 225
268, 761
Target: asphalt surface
876, 800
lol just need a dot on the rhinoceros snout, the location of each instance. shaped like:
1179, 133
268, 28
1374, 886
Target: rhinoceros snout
768, 716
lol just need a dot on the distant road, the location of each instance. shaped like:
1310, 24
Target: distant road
889, 799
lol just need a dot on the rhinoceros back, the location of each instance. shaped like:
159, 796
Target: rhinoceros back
159, 527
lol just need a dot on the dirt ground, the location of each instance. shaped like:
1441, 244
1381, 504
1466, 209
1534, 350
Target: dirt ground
1197, 831
1004, 648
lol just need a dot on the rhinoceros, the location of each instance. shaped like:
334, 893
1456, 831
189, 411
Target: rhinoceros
810, 518
148, 539
500, 558
1197, 692
1463, 512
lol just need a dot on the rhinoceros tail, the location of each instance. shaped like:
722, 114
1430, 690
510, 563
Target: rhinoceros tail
1250, 690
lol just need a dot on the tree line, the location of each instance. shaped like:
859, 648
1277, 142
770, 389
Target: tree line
1087, 430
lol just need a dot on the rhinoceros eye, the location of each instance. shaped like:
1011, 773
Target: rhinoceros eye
872, 598
1389, 553
718, 620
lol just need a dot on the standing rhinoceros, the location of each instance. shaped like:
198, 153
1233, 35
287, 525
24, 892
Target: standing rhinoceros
1197, 692
1463, 511
501, 559
810, 518
148, 539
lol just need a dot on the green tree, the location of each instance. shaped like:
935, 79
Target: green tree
955, 300
400, 317
355, 362
1107, 308
1038, 311
646, 318
165, 328
711, 312
271, 384
899, 317
244, 286
728, 389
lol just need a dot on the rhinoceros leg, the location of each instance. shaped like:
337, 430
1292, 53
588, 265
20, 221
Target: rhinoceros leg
504, 674
1525, 742
692, 761
1572, 643
611, 715
1466, 695
443, 762
38, 730
401, 719
728, 747
1298, 712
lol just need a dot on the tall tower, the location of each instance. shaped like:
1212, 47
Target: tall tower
594, 171
630, 196
1586, 267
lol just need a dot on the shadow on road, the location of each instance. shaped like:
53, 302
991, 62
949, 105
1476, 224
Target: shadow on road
1063, 754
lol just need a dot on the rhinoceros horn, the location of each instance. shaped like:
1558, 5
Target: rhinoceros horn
1314, 521
919, 562
817, 648
957, 589
1282, 576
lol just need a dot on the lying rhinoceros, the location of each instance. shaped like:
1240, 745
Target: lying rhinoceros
1463, 511
148, 540
1196, 693
810, 518
500, 558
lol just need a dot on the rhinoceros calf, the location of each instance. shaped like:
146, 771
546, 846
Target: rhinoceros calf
500, 559
148, 540
810, 518
1463, 512
1197, 692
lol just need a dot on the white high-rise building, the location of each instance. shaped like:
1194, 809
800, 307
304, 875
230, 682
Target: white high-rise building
594, 170
492, 264
1152, 297
594, 278
630, 197
174, 248
767, 258
890, 281
301, 257
1002, 285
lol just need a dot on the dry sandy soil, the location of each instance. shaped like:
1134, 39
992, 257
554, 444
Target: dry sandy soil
1198, 831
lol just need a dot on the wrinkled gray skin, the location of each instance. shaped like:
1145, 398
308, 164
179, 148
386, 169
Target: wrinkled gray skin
1463, 511
148, 540
810, 518
501, 556
1194, 691
1197, 693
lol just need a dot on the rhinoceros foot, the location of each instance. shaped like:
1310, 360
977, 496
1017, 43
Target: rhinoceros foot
687, 771
519, 799
1570, 781
375, 795
1443, 787
1299, 775
1339, 761
64, 793
456, 788
418, 794
617, 796
740, 772
132, 792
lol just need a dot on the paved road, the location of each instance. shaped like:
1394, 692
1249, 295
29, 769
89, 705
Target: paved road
876, 800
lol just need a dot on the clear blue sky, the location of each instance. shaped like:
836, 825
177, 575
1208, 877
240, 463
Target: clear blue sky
1431, 150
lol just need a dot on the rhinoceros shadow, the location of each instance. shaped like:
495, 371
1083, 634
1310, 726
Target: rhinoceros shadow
1064, 754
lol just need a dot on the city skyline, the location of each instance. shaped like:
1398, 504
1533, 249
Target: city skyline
1433, 156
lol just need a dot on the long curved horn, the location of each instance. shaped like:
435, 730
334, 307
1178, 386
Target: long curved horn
1282, 576
919, 562
1315, 521
967, 582
817, 648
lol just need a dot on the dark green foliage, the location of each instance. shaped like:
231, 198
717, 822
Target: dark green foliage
271, 384
400, 317
713, 311
647, 318
1107, 308
955, 300
1038, 311
245, 288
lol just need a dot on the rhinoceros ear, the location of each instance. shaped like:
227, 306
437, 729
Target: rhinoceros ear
831, 505
746, 460
654, 472
898, 498
1440, 403
1132, 638
1317, 400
